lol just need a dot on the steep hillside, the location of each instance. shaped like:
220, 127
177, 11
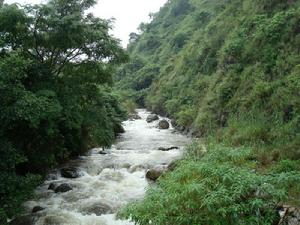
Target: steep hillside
225, 67
227, 71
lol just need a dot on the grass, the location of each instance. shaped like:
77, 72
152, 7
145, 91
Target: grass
217, 184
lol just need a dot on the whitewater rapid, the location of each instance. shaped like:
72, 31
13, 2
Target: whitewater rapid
114, 179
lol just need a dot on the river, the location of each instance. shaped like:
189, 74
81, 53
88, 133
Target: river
112, 180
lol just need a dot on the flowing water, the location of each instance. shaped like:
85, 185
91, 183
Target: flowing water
113, 180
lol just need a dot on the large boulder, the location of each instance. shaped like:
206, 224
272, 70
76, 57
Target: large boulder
163, 124
23, 220
97, 208
151, 118
154, 173
70, 172
63, 188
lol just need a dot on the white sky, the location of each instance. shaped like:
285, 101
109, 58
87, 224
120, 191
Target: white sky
128, 13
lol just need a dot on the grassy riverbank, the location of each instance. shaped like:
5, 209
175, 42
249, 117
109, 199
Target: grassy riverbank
220, 185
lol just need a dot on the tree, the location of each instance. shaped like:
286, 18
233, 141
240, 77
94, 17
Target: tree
56, 65
133, 37
59, 33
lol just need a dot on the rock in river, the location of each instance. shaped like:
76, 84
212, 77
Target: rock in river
63, 188
152, 117
37, 209
70, 172
154, 173
52, 186
167, 149
163, 124
103, 152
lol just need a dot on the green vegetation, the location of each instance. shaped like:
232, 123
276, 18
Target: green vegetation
222, 64
227, 71
56, 65
217, 185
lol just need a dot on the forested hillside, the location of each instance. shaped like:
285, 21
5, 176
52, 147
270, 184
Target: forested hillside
214, 64
227, 71
56, 99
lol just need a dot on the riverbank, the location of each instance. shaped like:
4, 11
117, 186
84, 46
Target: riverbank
218, 184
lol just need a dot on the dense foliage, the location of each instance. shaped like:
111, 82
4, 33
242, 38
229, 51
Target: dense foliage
222, 64
228, 72
216, 185
56, 65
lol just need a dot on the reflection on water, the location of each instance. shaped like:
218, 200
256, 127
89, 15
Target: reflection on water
109, 181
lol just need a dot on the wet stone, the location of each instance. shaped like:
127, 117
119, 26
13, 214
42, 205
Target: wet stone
167, 149
70, 172
52, 186
37, 209
63, 188
104, 152
163, 124
151, 118
154, 173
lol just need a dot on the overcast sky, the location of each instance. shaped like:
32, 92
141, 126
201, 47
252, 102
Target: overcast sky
128, 13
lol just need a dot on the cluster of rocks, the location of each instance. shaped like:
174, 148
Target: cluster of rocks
97, 209
67, 172
162, 124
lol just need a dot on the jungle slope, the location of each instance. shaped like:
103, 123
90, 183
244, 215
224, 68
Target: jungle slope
230, 67
227, 71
